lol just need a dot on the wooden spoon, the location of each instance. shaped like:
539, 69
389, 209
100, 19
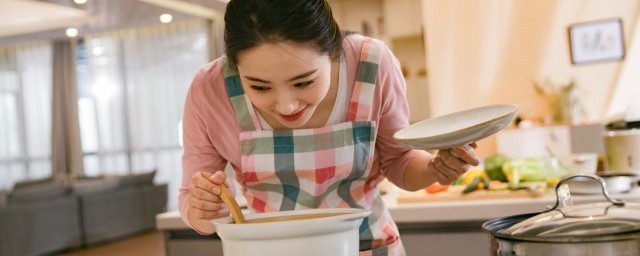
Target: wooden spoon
228, 199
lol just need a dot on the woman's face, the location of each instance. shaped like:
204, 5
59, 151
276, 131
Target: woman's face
285, 81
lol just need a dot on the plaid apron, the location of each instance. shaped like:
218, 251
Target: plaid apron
318, 168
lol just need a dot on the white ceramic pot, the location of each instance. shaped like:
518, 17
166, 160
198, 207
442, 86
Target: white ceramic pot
623, 150
336, 235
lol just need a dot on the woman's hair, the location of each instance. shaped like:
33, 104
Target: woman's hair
250, 23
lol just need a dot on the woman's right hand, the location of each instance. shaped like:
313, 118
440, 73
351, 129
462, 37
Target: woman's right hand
204, 199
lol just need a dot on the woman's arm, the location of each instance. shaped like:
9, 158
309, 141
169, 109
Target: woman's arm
409, 169
197, 203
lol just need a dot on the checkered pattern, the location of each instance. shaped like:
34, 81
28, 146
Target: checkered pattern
245, 114
318, 168
360, 106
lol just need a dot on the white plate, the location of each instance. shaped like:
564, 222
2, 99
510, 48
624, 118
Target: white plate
457, 129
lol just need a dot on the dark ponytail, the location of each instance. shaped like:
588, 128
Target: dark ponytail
249, 23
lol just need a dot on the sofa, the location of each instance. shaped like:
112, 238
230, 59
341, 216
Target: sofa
46, 216
117, 206
39, 218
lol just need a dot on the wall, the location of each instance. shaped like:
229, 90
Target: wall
490, 51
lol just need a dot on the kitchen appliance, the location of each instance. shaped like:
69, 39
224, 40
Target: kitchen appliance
334, 235
606, 228
622, 146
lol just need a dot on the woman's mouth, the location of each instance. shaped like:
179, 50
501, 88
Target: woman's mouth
294, 116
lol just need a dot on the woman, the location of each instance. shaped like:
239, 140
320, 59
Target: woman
305, 116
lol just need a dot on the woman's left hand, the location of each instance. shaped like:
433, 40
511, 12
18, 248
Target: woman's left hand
447, 168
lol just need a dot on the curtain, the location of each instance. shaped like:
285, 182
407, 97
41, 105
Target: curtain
25, 113
624, 102
132, 87
66, 155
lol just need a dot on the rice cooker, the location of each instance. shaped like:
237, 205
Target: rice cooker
622, 146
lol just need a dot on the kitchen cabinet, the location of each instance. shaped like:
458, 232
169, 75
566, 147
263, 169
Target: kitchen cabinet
402, 18
561, 139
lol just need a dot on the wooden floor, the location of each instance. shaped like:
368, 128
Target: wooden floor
148, 244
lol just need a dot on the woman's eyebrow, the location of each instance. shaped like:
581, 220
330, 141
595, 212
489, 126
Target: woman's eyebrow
303, 75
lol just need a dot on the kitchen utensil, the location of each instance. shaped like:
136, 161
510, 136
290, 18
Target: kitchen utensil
616, 183
457, 129
606, 228
329, 235
623, 150
228, 200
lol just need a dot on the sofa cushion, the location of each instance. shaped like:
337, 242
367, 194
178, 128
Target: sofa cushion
29, 183
136, 179
39, 192
87, 186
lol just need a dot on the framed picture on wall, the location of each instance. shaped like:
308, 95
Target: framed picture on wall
596, 41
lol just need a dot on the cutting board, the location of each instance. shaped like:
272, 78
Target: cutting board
456, 195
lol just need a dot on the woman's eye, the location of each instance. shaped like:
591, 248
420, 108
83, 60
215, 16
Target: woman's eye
260, 88
303, 84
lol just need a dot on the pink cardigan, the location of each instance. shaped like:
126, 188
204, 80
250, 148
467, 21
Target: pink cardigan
211, 132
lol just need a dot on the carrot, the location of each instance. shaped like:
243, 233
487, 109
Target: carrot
497, 185
437, 187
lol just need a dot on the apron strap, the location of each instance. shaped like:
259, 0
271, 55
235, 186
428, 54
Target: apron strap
362, 98
245, 114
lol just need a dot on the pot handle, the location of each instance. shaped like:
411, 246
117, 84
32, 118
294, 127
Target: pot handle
618, 202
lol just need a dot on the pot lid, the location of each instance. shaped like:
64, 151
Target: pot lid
605, 218
580, 220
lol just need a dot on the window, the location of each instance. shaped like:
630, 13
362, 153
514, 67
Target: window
131, 91
25, 107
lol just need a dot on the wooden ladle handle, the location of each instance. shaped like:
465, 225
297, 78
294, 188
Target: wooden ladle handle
228, 199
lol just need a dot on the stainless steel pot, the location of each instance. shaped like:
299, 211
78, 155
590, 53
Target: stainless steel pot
606, 228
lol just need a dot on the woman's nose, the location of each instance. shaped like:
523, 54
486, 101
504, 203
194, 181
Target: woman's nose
286, 105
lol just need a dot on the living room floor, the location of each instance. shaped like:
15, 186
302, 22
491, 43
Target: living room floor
148, 244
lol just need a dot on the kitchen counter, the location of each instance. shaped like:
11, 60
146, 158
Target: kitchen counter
438, 227
486, 209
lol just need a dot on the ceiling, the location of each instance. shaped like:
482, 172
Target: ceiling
31, 20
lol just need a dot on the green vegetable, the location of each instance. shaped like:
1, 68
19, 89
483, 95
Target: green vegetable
524, 169
473, 186
493, 166
486, 182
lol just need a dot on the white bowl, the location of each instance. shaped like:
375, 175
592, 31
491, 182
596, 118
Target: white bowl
334, 235
457, 129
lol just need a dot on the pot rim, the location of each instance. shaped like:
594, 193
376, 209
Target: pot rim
617, 133
349, 214
350, 220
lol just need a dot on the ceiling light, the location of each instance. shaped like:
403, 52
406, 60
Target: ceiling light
80, 1
97, 51
166, 18
71, 32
